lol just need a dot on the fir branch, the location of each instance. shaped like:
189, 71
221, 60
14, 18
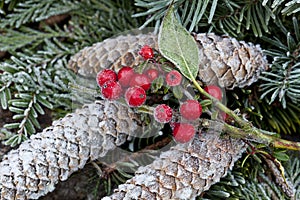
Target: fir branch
291, 7
189, 12
269, 117
97, 20
35, 11
285, 7
220, 16
101, 19
24, 36
7, 6
284, 78
36, 81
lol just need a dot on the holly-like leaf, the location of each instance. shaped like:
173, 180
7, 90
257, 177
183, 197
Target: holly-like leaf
178, 45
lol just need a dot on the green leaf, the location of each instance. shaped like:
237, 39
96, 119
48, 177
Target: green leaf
281, 155
177, 44
157, 84
177, 91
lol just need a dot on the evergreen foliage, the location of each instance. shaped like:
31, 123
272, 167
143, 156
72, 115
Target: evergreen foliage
234, 18
262, 114
35, 11
283, 81
33, 75
31, 83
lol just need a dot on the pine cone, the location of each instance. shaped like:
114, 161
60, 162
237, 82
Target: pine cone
112, 53
224, 60
39, 163
183, 172
229, 62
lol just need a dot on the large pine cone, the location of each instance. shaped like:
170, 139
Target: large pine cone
229, 62
39, 163
224, 60
183, 172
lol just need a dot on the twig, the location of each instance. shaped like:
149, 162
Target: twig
253, 134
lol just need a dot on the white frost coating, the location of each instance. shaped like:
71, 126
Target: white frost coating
185, 194
134, 194
145, 178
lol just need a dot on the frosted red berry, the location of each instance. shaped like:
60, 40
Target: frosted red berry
163, 113
214, 91
191, 109
140, 80
173, 78
135, 96
183, 132
146, 52
151, 73
111, 90
106, 75
125, 75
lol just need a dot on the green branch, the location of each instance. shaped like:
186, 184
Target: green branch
254, 134
247, 131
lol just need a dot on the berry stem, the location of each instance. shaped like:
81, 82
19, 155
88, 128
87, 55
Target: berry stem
218, 104
145, 109
247, 131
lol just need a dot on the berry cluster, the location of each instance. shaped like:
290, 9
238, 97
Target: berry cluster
114, 84
190, 110
134, 86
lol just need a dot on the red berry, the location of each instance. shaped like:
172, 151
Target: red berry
183, 132
140, 80
173, 78
146, 52
111, 90
191, 109
135, 96
214, 91
124, 76
106, 75
163, 113
152, 74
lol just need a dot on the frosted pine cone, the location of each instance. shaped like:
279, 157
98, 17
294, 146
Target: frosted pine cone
183, 172
224, 60
39, 163
229, 62
112, 53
